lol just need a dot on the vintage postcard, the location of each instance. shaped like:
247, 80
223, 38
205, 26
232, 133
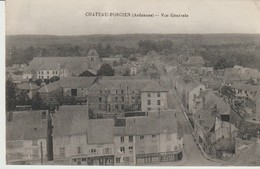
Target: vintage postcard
132, 82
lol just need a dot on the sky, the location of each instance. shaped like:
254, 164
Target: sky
67, 17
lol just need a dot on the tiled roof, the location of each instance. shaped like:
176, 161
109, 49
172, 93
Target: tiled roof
27, 86
245, 87
154, 123
121, 82
75, 65
50, 87
73, 120
100, 131
205, 113
188, 83
77, 82
155, 86
27, 70
69, 82
26, 125
70, 120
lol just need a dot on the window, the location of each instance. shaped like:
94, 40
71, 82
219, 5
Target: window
130, 149
107, 151
117, 160
47, 72
73, 92
158, 102
93, 151
116, 106
153, 136
123, 99
141, 137
133, 98
47, 77
168, 136
84, 159
122, 91
122, 107
53, 72
62, 152
100, 99
158, 94
56, 72
100, 106
79, 150
34, 143
122, 139
131, 138
116, 91
122, 149
100, 91
149, 102
149, 109
149, 94
116, 99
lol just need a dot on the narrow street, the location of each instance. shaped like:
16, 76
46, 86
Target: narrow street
192, 152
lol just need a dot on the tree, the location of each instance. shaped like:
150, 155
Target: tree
47, 81
38, 82
37, 102
54, 79
23, 98
106, 70
10, 95
127, 72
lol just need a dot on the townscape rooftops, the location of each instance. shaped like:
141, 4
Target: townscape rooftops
155, 86
27, 86
50, 87
246, 157
100, 131
27, 70
26, 125
154, 123
188, 83
206, 114
238, 73
121, 82
245, 87
77, 82
73, 120
75, 65
195, 60
70, 120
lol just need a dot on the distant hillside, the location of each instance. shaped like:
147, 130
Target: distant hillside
129, 40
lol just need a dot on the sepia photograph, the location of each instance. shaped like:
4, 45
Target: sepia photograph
131, 83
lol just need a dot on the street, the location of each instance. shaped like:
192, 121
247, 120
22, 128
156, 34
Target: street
192, 152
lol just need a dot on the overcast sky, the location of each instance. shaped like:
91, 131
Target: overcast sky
67, 17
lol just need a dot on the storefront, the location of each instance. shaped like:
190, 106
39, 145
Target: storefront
103, 160
142, 159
